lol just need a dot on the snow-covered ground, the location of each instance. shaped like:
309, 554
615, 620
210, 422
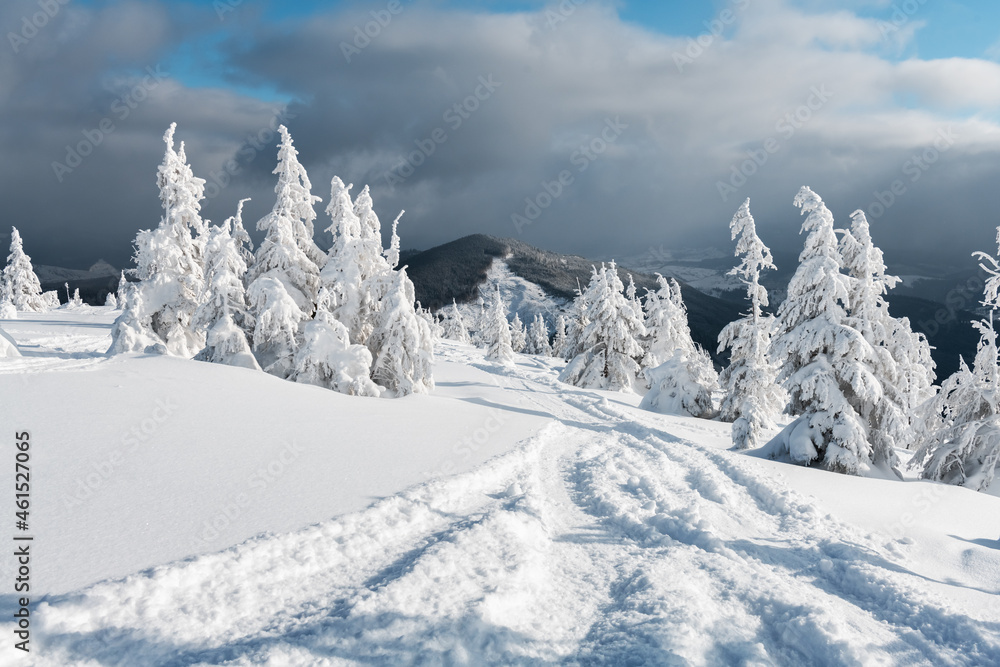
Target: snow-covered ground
186, 513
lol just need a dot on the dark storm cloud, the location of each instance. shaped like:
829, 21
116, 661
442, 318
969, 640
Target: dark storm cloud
620, 143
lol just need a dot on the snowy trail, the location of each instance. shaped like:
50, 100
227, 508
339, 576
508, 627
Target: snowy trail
604, 539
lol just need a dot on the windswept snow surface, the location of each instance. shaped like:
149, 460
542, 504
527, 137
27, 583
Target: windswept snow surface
582, 530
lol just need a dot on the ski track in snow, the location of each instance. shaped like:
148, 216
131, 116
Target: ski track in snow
603, 539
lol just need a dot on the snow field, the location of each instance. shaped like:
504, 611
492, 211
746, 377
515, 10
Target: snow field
582, 531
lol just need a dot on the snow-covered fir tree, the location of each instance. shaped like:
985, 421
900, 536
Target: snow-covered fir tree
77, 300
111, 301
405, 357
122, 290
611, 349
666, 324
168, 259
19, 284
496, 331
683, 384
518, 336
277, 317
133, 330
224, 314
357, 266
901, 359
959, 433
560, 341
824, 362
680, 375
327, 358
753, 398
538, 337
240, 235
295, 199
454, 325
280, 255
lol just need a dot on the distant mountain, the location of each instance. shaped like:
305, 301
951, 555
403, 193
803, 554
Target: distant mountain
94, 283
457, 270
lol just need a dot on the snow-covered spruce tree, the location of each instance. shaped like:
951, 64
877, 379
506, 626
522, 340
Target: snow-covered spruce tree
77, 300
240, 235
403, 339
169, 260
111, 301
579, 314
356, 267
609, 360
121, 292
20, 285
133, 330
433, 325
327, 358
496, 331
518, 336
454, 325
295, 199
666, 324
753, 397
679, 374
560, 341
895, 348
480, 324
959, 433
224, 314
538, 337
682, 385
277, 317
824, 362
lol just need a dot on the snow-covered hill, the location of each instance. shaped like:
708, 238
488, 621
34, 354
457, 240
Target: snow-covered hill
504, 519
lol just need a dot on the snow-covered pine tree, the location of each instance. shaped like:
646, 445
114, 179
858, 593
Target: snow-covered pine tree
609, 340
403, 339
77, 300
169, 260
454, 325
824, 362
111, 301
904, 387
132, 330
959, 433
224, 314
277, 317
560, 341
295, 200
122, 291
538, 337
666, 324
240, 235
20, 285
356, 267
753, 397
579, 314
327, 358
496, 331
518, 336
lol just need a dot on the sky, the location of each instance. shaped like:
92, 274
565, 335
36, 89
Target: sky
592, 127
